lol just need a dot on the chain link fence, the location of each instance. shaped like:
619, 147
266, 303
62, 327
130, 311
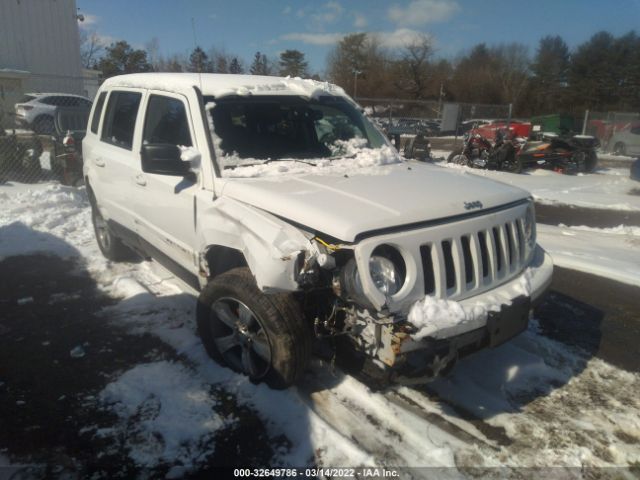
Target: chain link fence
41, 134
395, 111
402, 119
615, 130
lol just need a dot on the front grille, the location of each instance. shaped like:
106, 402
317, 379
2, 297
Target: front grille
459, 265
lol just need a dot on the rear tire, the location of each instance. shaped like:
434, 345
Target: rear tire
620, 149
590, 162
262, 336
110, 245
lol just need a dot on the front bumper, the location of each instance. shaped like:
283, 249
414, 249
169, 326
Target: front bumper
506, 313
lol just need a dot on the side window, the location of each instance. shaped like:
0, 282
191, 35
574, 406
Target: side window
71, 101
635, 130
166, 122
48, 100
97, 112
120, 118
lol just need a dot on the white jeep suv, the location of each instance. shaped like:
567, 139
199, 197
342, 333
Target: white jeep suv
294, 217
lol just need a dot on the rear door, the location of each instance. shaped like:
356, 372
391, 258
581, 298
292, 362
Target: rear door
114, 161
166, 217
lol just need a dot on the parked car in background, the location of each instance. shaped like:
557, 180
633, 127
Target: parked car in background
37, 111
635, 170
626, 141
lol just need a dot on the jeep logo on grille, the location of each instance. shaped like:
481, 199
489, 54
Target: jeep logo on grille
472, 205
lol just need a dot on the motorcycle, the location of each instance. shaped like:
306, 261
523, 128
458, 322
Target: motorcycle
563, 154
478, 152
419, 148
568, 154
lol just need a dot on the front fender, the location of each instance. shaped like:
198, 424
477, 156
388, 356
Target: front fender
269, 245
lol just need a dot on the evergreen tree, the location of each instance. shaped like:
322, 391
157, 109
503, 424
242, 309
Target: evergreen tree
121, 58
550, 68
199, 61
235, 66
293, 63
593, 74
260, 65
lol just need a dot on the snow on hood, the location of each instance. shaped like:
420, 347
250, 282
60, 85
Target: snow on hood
343, 198
354, 160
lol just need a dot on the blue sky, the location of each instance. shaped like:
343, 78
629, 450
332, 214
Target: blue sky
242, 27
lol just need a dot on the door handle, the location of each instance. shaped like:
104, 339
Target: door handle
140, 180
99, 162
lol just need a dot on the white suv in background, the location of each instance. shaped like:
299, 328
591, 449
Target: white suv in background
296, 220
37, 111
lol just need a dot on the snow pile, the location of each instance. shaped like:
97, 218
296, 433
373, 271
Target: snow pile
174, 415
609, 252
605, 189
441, 318
43, 218
619, 230
359, 161
189, 154
435, 317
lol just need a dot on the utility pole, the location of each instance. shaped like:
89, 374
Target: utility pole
356, 72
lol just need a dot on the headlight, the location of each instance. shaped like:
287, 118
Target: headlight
385, 275
387, 269
529, 230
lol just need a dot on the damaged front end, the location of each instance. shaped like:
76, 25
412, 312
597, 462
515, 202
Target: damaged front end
415, 306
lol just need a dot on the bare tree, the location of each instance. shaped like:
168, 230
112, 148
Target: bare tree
153, 52
512, 70
413, 67
91, 48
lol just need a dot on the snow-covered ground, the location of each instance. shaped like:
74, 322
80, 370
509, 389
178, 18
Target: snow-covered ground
550, 404
608, 252
607, 188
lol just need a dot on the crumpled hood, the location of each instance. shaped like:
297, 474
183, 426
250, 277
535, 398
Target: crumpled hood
345, 206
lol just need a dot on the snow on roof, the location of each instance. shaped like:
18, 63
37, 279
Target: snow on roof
220, 84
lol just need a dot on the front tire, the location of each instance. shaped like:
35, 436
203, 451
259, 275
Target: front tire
262, 336
458, 157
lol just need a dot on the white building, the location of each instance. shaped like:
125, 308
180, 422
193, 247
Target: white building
39, 49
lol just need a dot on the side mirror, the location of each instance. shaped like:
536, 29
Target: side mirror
163, 159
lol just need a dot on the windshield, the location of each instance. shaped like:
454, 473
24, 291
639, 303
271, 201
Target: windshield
278, 128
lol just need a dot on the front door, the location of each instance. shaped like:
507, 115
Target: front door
165, 203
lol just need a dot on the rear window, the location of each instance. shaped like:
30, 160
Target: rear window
97, 112
120, 118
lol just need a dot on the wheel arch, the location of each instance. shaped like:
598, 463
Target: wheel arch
241, 235
220, 259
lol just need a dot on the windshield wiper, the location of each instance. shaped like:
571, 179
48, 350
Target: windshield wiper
269, 160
